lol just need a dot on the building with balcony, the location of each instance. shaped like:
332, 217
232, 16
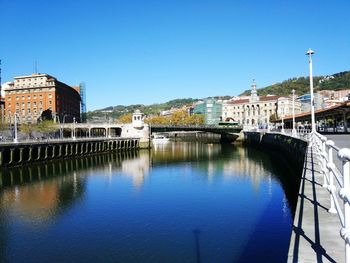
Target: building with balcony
40, 96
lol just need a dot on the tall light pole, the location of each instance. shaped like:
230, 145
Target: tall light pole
268, 120
294, 132
73, 137
309, 53
15, 139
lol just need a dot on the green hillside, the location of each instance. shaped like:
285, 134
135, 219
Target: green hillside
301, 85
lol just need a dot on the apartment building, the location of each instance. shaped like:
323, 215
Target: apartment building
41, 96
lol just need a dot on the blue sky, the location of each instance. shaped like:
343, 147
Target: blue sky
133, 51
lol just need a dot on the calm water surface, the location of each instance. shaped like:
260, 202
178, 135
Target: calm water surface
180, 202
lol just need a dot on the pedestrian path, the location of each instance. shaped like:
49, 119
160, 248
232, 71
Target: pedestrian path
316, 232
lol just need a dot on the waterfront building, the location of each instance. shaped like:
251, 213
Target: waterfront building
41, 96
252, 111
285, 106
211, 109
305, 102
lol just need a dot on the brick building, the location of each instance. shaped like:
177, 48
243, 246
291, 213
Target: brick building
41, 96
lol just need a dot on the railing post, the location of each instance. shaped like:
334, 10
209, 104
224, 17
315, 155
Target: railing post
344, 155
330, 168
324, 161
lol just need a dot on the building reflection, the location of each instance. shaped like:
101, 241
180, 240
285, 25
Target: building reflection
41, 192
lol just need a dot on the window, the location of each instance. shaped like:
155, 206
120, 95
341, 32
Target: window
9, 98
50, 96
28, 97
34, 103
40, 103
34, 96
40, 96
22, 97
22, 104
28, 110
17, 98
50, 102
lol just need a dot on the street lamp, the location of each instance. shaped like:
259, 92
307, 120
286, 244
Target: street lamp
73, 133
309, 53
294, 132
282, 125
109, 127
15, 139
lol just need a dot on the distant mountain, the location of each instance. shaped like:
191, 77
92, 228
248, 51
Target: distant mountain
301, 85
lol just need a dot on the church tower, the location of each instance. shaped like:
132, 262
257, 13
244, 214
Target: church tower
253, 94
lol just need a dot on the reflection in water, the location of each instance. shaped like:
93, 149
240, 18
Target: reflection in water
58, 194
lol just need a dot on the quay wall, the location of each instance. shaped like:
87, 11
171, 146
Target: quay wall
288, 153
292, 149
15, 154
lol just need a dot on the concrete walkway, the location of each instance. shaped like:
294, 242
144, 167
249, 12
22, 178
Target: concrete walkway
316, 233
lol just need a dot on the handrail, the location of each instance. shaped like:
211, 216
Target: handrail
324, 151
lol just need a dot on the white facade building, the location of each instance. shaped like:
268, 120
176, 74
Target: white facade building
251, 112
285, 107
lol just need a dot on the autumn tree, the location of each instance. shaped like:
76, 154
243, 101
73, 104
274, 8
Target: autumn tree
126, 118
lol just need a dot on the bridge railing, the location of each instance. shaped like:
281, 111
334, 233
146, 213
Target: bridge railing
336, 180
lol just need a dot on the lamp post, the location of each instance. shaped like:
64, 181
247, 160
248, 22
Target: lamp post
309, 53
282, 130
294, 132
15, 139
109, 127
73, 133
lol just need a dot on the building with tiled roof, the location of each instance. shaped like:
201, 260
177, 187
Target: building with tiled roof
257, 110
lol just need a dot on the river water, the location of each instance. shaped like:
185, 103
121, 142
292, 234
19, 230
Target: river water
179, 202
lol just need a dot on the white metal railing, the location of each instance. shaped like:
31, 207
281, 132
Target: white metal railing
336, 180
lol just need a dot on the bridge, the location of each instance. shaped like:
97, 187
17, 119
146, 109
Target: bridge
228, 133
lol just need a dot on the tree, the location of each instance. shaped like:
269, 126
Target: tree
126, 118
46, 126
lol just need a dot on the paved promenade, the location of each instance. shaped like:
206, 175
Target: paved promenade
316, 233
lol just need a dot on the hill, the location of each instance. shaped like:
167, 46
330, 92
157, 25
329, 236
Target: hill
301, 85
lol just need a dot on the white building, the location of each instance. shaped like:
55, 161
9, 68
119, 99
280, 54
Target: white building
285, 107
251, 111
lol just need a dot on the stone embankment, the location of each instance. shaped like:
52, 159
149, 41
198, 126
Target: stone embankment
14, 154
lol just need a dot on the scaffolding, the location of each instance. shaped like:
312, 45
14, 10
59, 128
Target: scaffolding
82, 89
